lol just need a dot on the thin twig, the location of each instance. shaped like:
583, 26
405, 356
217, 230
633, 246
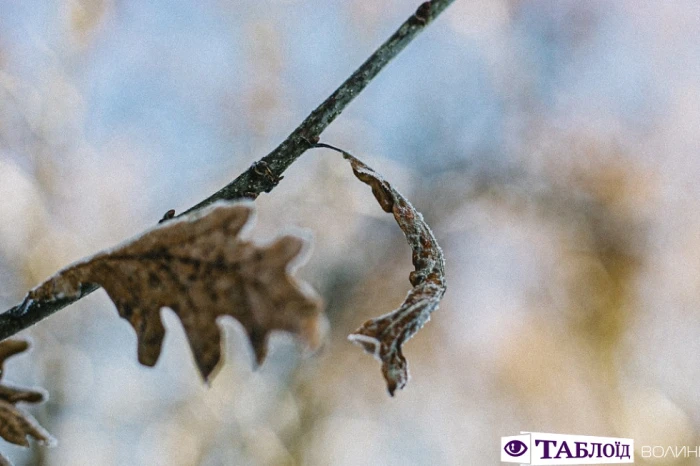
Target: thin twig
265, 174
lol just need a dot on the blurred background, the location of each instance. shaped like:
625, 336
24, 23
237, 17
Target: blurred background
551, 145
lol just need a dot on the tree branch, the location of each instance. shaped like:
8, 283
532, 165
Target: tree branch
266, 173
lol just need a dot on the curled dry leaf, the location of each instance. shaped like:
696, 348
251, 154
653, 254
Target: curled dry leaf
198, 266
15, 424
383, 336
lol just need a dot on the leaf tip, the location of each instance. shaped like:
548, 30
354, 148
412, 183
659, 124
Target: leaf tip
394, 365
395, 370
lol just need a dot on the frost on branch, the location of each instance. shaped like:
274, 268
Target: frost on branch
383, 336
199, 267
15, 424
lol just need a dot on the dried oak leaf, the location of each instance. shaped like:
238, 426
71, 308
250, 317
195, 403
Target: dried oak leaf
15, 424
198, 266
383, 336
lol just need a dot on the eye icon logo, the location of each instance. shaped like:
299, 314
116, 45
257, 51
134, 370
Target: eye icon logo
515, 448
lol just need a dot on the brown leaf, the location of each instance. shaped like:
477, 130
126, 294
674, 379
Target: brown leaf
383, 336
15, 424
198, 266
15, 395
10, 348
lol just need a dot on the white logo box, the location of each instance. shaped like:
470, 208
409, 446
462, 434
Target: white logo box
562, 449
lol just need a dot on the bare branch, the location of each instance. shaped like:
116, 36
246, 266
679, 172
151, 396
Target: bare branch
266, 173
